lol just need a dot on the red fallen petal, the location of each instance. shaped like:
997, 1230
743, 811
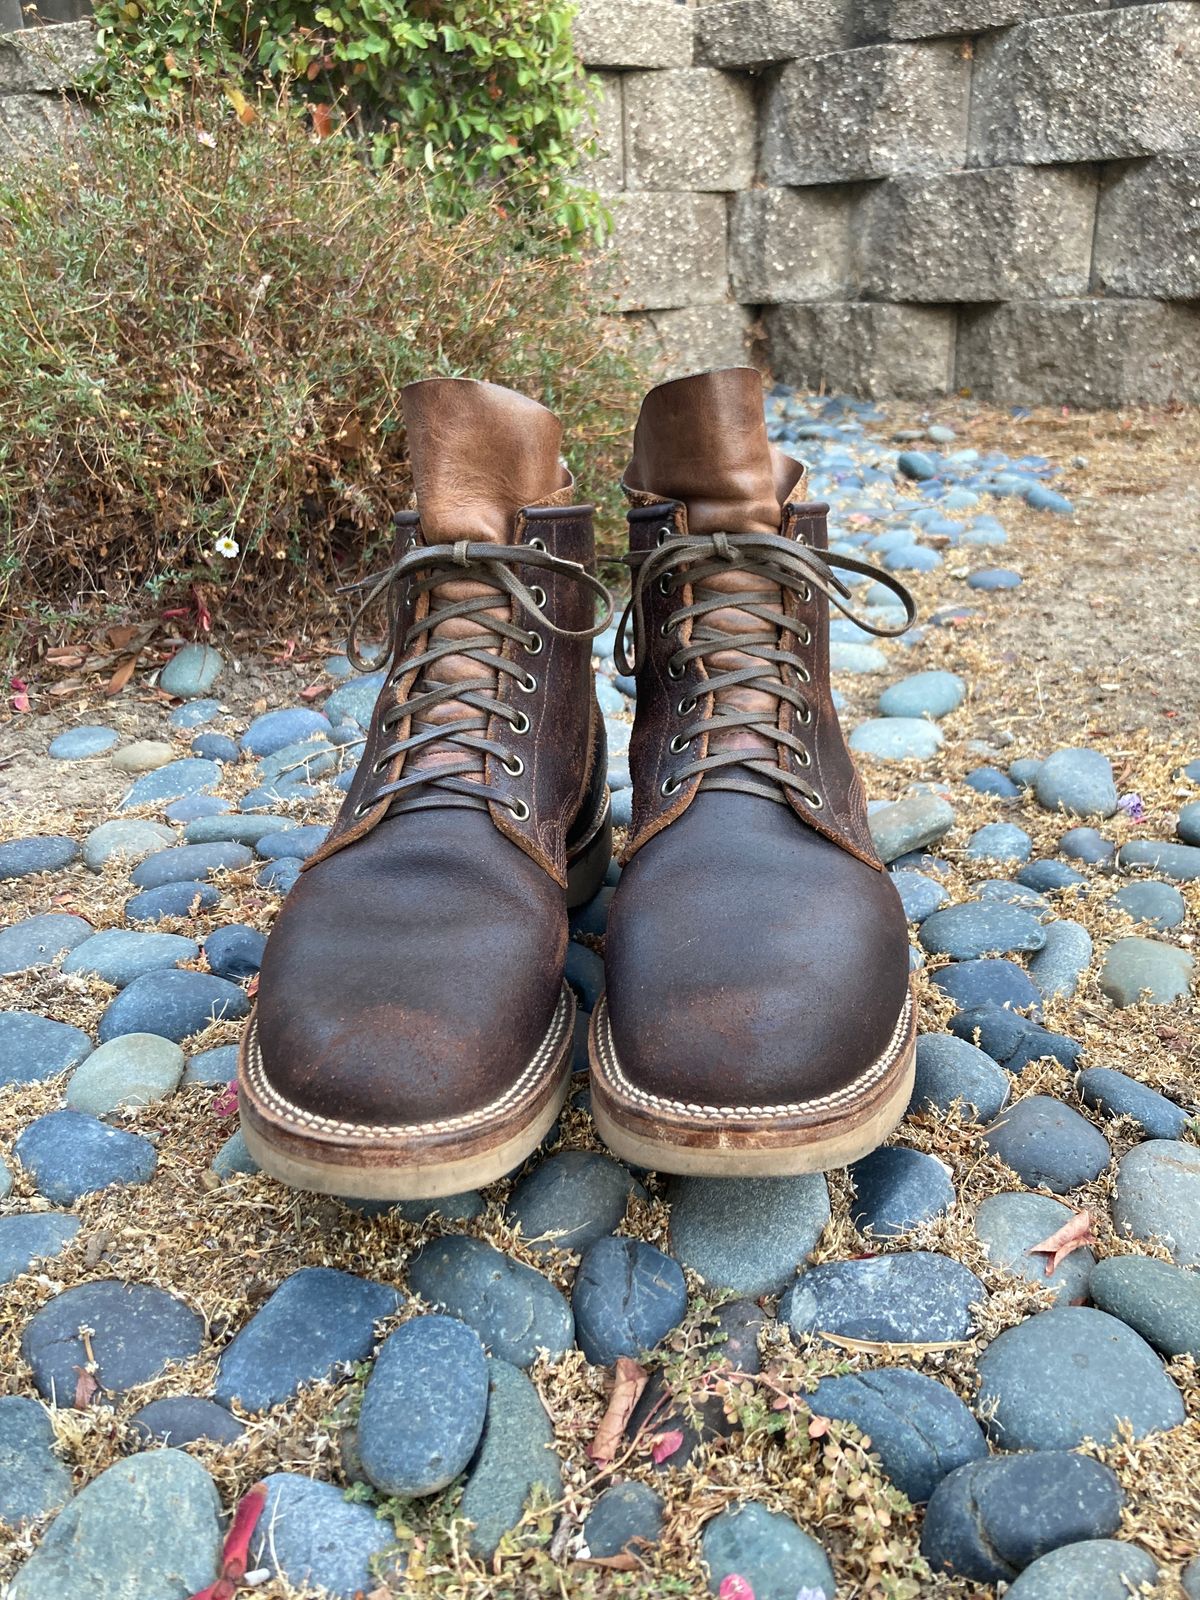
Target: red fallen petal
735, 1587
235, 1555
666, 1445
226, 1103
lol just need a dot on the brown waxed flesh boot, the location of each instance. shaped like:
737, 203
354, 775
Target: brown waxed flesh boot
757, 1019
412, 1035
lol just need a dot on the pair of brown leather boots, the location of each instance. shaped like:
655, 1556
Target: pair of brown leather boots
413, 1032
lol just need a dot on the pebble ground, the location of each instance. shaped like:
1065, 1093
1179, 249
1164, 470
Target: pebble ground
857, 1385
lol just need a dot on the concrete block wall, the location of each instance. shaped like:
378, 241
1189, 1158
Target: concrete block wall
910, 197
37, 65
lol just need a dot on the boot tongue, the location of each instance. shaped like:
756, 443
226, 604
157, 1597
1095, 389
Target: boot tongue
703, 440
479, 454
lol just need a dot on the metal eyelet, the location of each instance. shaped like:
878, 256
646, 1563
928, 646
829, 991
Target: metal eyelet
380, 766
803, 757
670, 786
411, 542
805, 593
815, 801
363, 807
686, 706
539, 595
535, 544
527, 685
804, 674
804, 636
520, 723
664, 583
674, 672
665, 533
519, 809
515, 769
805, 716
678, 744
534, 644
666, 629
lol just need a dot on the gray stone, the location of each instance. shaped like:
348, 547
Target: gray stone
1114, 1095
1061, 962
39, 941
217, 1066
186, 776
993, 981
190, 863
310, 1534
1142, 103
628, 1517
143, 755
897, 738
291, 841
915, 1297
926, 19
1048, 877
999, 841
275, 730
1096, 1569
69, 1154
749, 1235
136, 1331
30, 1236
951, 1070
1079, 782
787, 244
235, 829
355, 701
185, 1419
515, 1462
118, 956
318, 1320
695, 339
82, 744
918, 1427
1157, 1300
1135, 969
867, 113
48, 852
34, 126
233, 1159
1148, 229
1005, 233
1088, 352
134, 1070
1179, 862
990, 1519
215, 747
920, 896
900, 351
191, 672
1071, 1374
235, 951
1089, 846
172, 900
130, 840
672, 250
896, 1189
1009, 1225
1048, 1144
1188, 826
172, 1004
284, 772
195, 714
632, 33
688, 128
98, 1543
914, 823
33, 1481
603, 168
46, 60
924, 694
753, 33
627, 1297
1158, 1197
513, 1309
423, 1406
976, 928
572, 1199
859, 659
773, 1556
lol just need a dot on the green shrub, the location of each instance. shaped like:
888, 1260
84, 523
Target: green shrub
472, 92
204, 330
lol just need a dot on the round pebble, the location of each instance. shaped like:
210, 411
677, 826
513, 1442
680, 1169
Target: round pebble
1158, 1197
990, 982
965, 932
1157, 1300
627, 1297
235, 951
896, 1189
1087, 845
572, 1199
144, 755
48, 852
1048, 1144
195, 714
747, 1234
776, 1559
136, 1330
1047, 876
991, 579
172, 900
1070, 1374
172, 782
950, 1071
33, 1048
1159, 904
1095, 1569
215, 747
69, 1154
298, 842
423, 1407
81, 744
915, 1297
627, 1518
513, 1309
275, 730
190, 863
218, 1066
1009, 1225
924, 694
999, 841
1079, 782
39, 941
30, 1236
185, 1420
1179, 862
515, 1460
311, 1535
191, 672
913, 823
118, 956
134, 1070
172, 1004
990, 780
897, 738
1058, 967
130, 840
33, 1480
920, 896
1139, 970
1113, 1094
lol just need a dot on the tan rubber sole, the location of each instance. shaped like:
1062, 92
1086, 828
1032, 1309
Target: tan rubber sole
747, 1141
406, 1161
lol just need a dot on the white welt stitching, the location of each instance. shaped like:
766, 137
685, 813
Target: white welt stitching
561, 1026
793, 1108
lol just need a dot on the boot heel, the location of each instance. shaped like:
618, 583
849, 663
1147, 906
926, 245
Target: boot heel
586, 869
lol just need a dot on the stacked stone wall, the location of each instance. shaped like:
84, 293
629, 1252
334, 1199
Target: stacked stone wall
910, 196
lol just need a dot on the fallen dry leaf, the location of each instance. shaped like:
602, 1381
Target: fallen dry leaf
121, 676
1073, 1235
665, 1446
628, 1382
621, 1563
86, 1389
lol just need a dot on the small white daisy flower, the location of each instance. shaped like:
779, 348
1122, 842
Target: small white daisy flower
226, 546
